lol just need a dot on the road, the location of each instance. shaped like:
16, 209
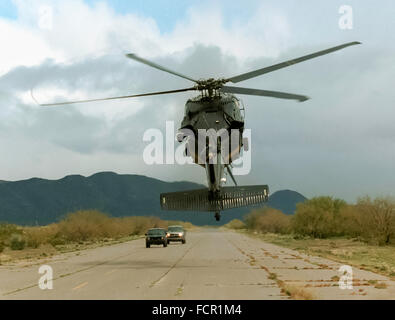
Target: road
213, 264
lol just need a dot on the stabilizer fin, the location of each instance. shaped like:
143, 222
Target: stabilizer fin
202, 200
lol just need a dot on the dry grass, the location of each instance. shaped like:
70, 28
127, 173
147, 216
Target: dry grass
268, 220
78, 230
371, 220
379, 259
294, 292
297, 293
335, 278
381, 285
272, 276
37, 236
235, 224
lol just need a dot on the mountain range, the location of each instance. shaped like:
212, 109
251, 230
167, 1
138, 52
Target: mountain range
39, 201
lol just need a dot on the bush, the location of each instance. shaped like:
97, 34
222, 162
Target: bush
17, 242
85, 225
268, 220
80, 226
57, 241
94, 225
186, 225
235, 224
376, 219
36, 236
140, 225
2, 246
319, 217
6, 230
350, 223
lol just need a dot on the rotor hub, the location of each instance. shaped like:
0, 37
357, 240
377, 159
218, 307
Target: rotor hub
210, 84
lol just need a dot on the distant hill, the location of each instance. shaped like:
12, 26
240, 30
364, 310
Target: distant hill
39, 201
285, 200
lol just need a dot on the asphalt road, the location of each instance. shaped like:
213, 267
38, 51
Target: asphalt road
213, 264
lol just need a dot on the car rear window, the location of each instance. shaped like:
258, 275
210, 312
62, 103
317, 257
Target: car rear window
175, 229
156, 232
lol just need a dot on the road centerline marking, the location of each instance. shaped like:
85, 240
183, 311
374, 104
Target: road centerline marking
110, 272
80, 286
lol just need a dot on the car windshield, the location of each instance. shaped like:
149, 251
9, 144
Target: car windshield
156, 231
175, 229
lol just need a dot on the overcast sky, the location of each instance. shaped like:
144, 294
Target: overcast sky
339, 143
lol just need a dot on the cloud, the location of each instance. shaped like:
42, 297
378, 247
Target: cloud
79, 31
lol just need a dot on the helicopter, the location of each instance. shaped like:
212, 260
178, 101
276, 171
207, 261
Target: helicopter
215, 120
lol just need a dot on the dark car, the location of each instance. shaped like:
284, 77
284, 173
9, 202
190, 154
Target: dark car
155, 236
176, 233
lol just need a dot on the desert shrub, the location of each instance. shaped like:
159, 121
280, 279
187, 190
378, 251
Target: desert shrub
57, 241
319, 217
85, 225
369, 220
351, 222
36, 236
268, 220
32, 243
376, 219
139, 225
17, 242
93, 225
6, 230
186, 225
235, 224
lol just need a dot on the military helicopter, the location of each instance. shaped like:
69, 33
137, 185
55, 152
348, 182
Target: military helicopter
216, 110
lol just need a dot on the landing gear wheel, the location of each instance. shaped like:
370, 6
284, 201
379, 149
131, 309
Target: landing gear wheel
217, 216
147, 245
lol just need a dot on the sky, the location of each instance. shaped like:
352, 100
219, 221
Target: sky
339, 143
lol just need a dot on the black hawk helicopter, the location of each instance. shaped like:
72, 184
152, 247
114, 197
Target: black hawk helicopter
216, 110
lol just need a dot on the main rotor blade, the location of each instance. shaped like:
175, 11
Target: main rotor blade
157, 66
288, 63
264, 93
113, 98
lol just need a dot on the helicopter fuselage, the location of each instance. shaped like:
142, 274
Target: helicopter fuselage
222, 116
